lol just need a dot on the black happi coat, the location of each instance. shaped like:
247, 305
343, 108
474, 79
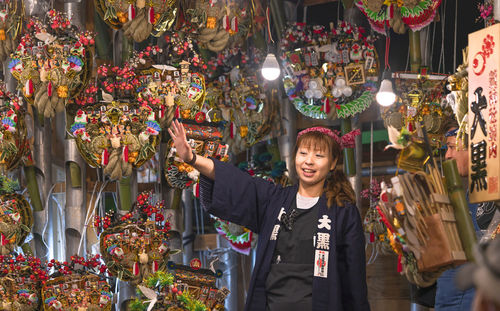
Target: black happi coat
256, 204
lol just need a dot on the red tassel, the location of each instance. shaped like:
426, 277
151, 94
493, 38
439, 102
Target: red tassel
400, 265
162, 111
372, 237
4, 240
234, 24
197, 190
125, 154
105, 157
177, 112
49, 89
135, 269
231, 130
225, 23
154, 266
131, 12
28, 88
151, 16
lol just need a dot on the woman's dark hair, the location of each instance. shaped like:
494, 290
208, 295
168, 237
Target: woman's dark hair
337, 188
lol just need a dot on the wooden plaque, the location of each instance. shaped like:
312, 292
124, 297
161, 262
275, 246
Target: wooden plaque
484, 161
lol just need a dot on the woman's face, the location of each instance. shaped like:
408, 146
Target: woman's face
313, 164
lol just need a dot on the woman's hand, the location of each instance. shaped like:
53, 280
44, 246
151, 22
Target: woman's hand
178, 135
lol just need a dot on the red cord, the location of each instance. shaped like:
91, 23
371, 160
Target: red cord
387, 47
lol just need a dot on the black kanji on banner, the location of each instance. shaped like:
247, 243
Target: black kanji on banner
478, 160
476, 107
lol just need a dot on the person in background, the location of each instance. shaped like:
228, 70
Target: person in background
311, 248
448, 296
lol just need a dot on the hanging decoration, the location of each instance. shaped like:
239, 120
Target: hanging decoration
219, 24
205, 141
138, 18
52, 63
399, 14
239, 237
117, 123
21, 279
185, 289
14, 145
16, 218
136, 244
11, 21
79, 284
329, 74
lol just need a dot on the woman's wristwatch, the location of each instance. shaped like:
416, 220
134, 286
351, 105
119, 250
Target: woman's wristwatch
193, 160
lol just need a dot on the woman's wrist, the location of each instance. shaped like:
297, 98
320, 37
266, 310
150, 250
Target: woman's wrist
192, 161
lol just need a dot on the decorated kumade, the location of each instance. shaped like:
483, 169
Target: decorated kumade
16, 218
14, 145
239, 237
205, 141
11, 15
399, 14
136, 244
138, 18
120, 132
329, 73
52, 63
77, 284
21, 279
185, 289
219, 24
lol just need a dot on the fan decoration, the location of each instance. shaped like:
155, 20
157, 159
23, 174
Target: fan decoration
138, 18
414, 14
219, 24
14, 145
11, 20
16, 218
329, 74
77, 285
52, 63
21, 279
136, 244
205, 141
184, 289
239, 237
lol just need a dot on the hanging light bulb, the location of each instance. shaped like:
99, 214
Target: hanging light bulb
386, 96
270, 69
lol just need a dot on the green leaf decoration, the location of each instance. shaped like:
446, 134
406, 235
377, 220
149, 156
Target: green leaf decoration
358, 105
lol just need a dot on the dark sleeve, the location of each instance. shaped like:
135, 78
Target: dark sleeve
236, 196
352, 261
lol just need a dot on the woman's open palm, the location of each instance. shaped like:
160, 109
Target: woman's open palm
178, 135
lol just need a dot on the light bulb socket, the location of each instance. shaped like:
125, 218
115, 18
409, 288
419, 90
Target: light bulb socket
387, 75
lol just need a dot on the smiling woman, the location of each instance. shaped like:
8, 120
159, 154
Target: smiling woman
311, 248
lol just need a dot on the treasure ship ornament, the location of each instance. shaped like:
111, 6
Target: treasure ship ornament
136, 244
52, 62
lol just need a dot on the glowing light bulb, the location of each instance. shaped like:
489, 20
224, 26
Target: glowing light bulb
270, 69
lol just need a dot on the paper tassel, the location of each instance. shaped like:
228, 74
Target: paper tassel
125, 154
162, 111
234, 24
372, 237
135, 269
49, 89
400, 265
105, 157
4, 240
151, 16
231, 130
225, 23
177, 112
131, 12
28, 88
154, 266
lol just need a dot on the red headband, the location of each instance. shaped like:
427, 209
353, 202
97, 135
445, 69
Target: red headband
345, 141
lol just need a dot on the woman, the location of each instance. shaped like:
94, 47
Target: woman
310, 253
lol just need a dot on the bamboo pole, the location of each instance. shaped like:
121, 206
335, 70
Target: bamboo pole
415, 52
349, 161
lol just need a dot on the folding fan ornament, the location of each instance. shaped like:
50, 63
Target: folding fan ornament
329, 74
21, 279
78, 284
189, 290
138, 18
52, 62
11, 16
239, 237
136, 244
399, 14
14, 145
206, 140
